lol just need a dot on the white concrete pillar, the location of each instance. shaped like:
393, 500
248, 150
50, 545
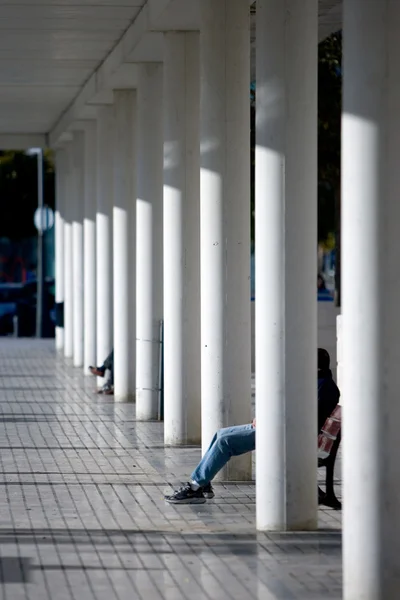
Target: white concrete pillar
104, 249
59, 239
89, 246
68, 274
371, 300
182, 385
149, 259
77, 200
124, 235
286, 264
225, 221
339, 354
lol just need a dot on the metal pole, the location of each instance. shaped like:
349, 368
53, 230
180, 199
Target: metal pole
40, 256
161, 374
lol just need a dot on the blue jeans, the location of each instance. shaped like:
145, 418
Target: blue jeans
231, 441
109, 364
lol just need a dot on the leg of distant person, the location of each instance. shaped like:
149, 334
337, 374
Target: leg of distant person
107, 364
108, 387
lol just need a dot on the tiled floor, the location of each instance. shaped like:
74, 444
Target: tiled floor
82, 514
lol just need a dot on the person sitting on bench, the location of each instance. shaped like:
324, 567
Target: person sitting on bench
233, 441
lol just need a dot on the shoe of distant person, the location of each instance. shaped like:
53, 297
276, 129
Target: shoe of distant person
98, 371
107, 390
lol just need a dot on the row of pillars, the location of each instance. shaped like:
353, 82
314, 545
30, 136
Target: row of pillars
153, 223
154, 209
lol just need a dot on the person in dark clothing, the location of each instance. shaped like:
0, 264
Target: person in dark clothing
328, 399
233, 441
108, 387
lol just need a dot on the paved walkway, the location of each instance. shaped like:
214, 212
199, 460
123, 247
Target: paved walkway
82, 514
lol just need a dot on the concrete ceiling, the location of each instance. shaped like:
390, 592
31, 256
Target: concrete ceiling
59, 58
330, 17
48, 50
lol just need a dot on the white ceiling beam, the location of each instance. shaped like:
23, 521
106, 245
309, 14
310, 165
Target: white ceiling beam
64, 139
142, 42
176, 15
22, 141
102, 78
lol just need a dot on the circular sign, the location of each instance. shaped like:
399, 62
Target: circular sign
43, 218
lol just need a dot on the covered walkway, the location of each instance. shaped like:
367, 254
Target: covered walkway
146, 104
83, 515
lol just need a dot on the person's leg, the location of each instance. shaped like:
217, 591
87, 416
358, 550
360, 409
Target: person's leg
109, 362
209, 449
112, 369
108, 387
228, 442
111, 378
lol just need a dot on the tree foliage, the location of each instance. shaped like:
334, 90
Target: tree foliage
329, 133
18, 192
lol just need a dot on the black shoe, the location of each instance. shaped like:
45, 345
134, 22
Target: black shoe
208, 491
185, 495
328, 500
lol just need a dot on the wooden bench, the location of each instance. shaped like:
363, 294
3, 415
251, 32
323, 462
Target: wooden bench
328, 446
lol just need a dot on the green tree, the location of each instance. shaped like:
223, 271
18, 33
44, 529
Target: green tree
329, 145
18, 192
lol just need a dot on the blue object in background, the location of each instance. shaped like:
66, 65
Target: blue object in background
325, 296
